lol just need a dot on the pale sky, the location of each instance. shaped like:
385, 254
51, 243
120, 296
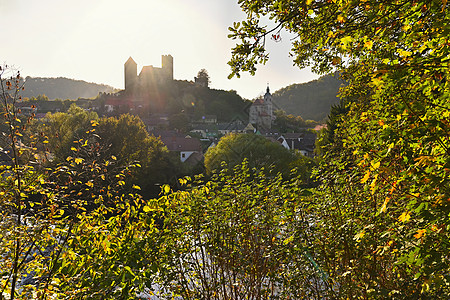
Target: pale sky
91, 40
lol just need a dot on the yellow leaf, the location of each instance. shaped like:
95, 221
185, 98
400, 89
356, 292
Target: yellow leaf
376, 165
368, 44
366, 177
136, 187
308, 2
288, 240
113, 157
78, 160
359, 235
377, 81
166, 189
73, 149
384, 207
420, 233
404, 53
89, 184
373, 184
345, 41
340, 19
404, 217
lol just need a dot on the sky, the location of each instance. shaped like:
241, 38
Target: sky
91, 40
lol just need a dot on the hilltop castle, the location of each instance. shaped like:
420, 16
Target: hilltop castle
149, 76
143, 92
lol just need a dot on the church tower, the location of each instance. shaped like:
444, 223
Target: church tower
130, 75
268, 103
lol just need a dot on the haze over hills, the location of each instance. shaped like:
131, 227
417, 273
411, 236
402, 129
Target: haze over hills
62, 88
311, 100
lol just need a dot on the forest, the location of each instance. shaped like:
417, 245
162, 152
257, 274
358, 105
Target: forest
369, 221
63, 88
311, 100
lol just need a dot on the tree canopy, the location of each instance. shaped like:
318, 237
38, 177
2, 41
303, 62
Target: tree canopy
382, 210
124, 137
260, 152
203, 76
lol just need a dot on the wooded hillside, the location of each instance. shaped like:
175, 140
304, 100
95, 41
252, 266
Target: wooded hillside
63, 88
311, 100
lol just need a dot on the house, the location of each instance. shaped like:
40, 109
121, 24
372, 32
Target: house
205, 130
208, 119
301, 141
233, 127
185, 146
156, 121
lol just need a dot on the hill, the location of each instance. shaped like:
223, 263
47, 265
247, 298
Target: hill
311, 100
62, 88
199, 101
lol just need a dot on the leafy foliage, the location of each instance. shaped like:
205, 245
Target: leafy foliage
383, 206
240, 235
288, 123
124, 138
63, 226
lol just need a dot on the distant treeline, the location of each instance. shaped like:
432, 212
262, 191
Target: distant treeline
181, 98
311, 100
62, 88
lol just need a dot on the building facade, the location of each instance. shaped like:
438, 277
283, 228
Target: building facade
261, 112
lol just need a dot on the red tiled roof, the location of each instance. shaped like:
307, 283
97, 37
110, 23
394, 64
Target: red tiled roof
259, 102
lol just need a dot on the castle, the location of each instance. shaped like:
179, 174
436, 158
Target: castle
143, 92
149, 75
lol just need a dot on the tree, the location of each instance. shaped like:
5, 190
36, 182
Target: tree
384, 190
288, 123
124, 137
62, 129
131, 143
258, 150
203, 78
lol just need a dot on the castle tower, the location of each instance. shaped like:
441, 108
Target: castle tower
130, 74
167, 66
